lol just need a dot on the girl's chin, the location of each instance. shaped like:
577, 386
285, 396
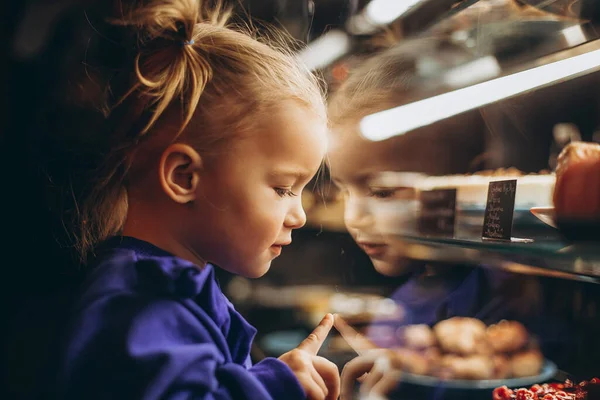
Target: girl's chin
391, 268
253, 271
257, 271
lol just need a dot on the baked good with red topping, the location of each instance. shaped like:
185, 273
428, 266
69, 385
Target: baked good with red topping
585, 390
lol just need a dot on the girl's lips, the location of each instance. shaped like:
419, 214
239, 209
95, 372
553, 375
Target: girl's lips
373, 249
276, 248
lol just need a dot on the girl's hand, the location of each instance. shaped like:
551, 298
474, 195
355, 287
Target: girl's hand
319, 377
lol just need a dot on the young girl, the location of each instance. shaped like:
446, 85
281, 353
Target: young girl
214, 136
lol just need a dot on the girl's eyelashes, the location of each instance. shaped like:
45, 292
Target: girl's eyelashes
381, 193
283, 192
397, 193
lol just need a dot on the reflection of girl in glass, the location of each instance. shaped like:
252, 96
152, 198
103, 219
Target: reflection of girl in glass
432, 292
361, 170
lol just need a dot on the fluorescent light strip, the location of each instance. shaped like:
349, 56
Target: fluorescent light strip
325, 50
399, 120
475, 71
382, 12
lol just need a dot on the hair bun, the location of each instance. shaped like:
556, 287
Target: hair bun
170, 52
172, 20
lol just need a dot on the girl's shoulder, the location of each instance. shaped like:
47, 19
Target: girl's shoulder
124, 271
133, 281
130, 273
127, 292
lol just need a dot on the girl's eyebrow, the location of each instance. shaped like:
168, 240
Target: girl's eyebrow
296, 173
391, 179
356, 180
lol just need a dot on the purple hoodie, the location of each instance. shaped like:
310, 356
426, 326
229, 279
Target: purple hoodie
149, 325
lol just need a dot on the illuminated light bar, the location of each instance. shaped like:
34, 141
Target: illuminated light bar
379, 13
325, 50
473, 72
382, 12
400, 120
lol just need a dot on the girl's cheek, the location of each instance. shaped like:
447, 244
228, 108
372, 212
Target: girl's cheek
396, 216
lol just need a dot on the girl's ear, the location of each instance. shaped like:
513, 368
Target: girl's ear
179, 172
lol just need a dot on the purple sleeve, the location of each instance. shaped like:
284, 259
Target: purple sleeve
130, 348
278, 378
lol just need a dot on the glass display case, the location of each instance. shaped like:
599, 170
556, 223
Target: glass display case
445, 284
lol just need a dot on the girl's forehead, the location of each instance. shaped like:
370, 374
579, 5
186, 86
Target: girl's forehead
348, 146
439, 149
353, 166
351, 158
288, 136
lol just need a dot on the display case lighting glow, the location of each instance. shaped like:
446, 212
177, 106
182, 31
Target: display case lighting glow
325, 50
399, 120
382, 12
574, 35
378, 13
473, 72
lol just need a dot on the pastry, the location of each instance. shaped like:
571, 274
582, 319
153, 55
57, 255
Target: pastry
527, 363
413, 361
465, 348
419, 336
507, 336
460, 335
469, 367
502, 367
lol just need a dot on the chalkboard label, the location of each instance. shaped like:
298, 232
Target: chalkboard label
438, 211
499, 210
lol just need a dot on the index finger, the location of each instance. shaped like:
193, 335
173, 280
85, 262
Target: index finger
315, 340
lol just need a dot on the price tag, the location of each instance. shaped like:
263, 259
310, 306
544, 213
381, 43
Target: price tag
499, 210
438, 211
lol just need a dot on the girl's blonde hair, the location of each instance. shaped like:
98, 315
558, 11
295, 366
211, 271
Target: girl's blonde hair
192, 77
380, 81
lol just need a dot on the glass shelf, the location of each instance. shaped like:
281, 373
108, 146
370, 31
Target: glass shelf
545, 256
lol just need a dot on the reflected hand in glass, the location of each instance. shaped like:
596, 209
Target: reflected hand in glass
378, 370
